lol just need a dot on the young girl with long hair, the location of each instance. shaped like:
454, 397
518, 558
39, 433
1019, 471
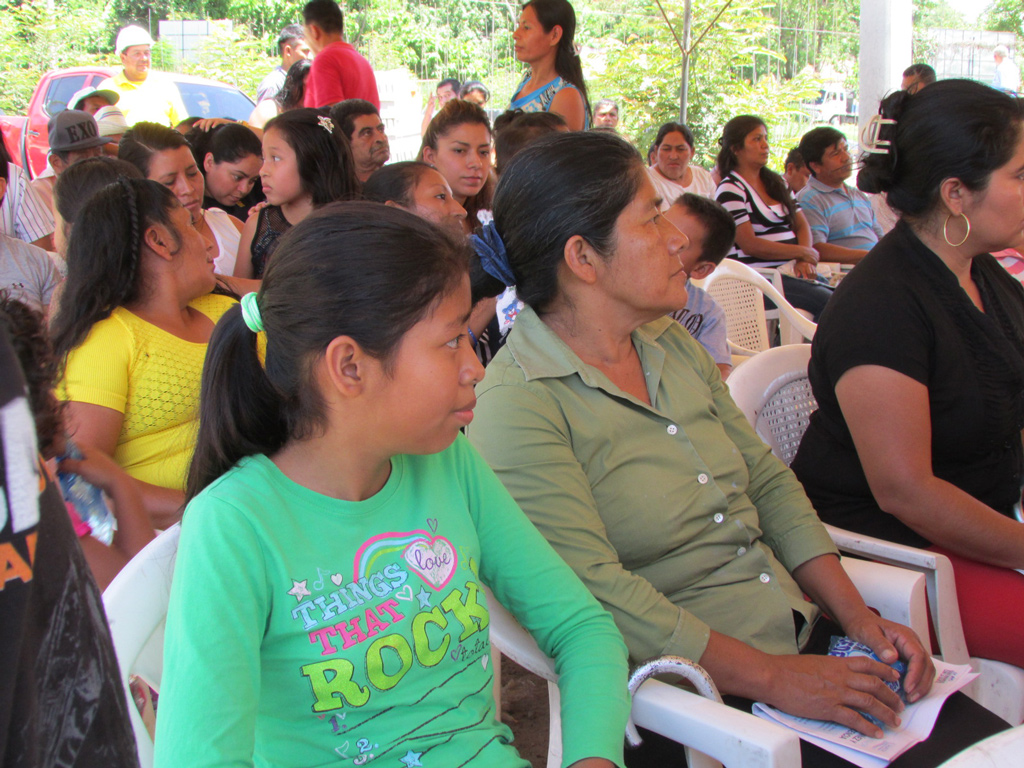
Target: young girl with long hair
418, 188
327, 600
306, 164
770, 229
544, 39
458, 144
163, 155
131, 330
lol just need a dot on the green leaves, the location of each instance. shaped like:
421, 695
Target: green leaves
732, 71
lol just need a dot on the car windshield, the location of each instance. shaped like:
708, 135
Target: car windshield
211, 100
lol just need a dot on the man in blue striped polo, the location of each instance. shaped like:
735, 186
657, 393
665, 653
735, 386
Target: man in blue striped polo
843, 224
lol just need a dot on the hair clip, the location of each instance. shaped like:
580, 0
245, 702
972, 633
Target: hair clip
326, 123
869, 140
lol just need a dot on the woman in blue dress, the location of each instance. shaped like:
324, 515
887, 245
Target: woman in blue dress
554, 82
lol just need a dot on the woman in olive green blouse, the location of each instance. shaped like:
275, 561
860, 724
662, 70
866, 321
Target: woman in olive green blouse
613, 430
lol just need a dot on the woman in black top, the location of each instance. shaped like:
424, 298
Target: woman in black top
918, 363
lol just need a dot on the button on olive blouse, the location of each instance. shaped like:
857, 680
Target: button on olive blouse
675, 515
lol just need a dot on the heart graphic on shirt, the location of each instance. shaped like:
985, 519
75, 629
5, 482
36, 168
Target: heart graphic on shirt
432, 559
342, 751
337, 579
432, 522
405, 593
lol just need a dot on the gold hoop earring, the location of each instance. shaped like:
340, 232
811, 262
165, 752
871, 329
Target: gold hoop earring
945, 234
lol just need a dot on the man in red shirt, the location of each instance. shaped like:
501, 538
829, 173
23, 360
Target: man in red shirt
338, 71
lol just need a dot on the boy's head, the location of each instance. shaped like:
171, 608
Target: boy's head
797, 172
322, 23
710, 229
514, 131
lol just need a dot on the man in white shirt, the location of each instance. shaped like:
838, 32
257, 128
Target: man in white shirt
1007, 75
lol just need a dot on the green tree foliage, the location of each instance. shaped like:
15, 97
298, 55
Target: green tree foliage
729, 75
232, 55
39, 35
933, 14
818, 34
1005, 16
264, 18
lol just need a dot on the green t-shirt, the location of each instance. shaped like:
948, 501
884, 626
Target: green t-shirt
308, 631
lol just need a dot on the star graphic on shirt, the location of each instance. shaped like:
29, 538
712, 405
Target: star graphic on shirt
412, 759
424, 598
299, 590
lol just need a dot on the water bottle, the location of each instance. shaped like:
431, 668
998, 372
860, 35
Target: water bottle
87, 498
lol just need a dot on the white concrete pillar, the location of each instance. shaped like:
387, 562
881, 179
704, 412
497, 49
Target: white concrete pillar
886, 30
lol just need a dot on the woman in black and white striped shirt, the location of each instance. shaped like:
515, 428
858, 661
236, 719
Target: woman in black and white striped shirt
770, 229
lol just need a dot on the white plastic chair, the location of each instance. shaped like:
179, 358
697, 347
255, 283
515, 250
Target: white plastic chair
136, 604
999, 751
774, 394
715, 731
738, 288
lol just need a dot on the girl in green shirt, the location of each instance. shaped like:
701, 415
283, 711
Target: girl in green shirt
327, 602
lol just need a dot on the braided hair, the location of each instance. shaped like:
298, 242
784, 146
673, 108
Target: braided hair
104, 253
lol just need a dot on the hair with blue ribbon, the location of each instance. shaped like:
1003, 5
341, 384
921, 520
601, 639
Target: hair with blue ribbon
493, 256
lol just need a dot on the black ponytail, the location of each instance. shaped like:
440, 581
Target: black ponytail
257, 425
103, 255
358, 269
951, 129
552, 13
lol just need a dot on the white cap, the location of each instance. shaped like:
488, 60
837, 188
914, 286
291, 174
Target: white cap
112, 97
132, 35
110, 121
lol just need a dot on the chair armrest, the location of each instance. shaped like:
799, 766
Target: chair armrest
940, 583
896, 593
736, 349
733, 737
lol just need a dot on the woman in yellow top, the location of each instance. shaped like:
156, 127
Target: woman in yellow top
132, 328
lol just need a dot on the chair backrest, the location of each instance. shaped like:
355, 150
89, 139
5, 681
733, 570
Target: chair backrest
136, 604
738, 288
745, 321
775, 395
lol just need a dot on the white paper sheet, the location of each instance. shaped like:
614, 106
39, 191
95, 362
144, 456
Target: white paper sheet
918, 719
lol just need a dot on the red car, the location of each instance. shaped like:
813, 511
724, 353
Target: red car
26, 137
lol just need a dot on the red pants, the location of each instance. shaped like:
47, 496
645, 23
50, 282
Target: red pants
991, 608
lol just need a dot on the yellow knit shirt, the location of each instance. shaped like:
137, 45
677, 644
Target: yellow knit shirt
152, 377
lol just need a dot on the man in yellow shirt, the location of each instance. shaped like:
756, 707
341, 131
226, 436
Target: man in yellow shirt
145, 95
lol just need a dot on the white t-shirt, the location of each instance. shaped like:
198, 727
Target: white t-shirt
23, 213
27, 272
701, 184
227, 236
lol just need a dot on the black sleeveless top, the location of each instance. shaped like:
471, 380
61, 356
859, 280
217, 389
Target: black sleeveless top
270, 225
